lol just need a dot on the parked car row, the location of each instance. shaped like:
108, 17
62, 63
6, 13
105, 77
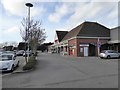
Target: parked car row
20, 53
109, 54
8, 60
23, 53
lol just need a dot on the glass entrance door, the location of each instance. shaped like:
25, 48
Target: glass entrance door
85, 51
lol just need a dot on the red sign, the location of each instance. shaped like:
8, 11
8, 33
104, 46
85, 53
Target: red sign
56, 40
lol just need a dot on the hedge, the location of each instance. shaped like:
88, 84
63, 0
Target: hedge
30, 64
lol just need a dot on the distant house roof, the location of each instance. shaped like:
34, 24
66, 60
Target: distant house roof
88, 29
61, 34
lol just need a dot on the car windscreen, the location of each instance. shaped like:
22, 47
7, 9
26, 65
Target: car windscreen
5, 57
112, 51
115, 52
103, 51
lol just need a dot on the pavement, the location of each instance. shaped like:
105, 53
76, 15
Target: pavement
56, 71
21, 64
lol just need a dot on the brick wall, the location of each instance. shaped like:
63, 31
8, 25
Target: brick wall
73, 43
88, 41
76, 43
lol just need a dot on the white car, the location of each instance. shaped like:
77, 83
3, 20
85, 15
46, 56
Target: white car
8, 62
109, 54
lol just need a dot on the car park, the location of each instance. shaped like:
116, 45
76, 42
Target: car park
109, 54
8, 62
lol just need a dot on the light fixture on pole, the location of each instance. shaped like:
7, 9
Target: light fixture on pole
28, 5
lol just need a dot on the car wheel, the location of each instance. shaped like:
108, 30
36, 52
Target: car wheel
17, 64
12, 69
119, 57
108, 57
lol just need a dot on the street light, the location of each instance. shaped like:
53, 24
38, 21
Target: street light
28, 5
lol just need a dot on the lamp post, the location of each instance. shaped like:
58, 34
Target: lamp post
28, 5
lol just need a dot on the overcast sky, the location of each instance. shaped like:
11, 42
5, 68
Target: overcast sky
55, 15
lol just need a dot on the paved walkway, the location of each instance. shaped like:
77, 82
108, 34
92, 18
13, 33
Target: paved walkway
21, 64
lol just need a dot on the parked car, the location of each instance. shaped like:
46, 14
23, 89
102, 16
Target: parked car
8, 62
109, 54
11, 52
25, 54
20, 53
0, 52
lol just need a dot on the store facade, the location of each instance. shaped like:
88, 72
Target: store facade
86, 39
114, 43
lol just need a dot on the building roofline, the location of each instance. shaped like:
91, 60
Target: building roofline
80, 26
115, 28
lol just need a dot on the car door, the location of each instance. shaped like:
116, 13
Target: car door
111, 54
115, 54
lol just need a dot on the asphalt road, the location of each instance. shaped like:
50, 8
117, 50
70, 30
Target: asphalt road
56, 71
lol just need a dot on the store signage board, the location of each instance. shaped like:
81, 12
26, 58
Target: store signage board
85, 45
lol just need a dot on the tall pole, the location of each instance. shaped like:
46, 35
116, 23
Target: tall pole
28, 5
98, 44
28, 31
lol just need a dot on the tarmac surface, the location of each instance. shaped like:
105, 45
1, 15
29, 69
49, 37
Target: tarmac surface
56, 71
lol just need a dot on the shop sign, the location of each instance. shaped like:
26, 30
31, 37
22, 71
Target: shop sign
85, 45
74, 47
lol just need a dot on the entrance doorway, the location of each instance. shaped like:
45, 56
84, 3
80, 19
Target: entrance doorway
92, 50
85, 51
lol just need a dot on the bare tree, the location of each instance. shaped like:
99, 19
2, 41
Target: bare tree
13, 43
24, 29
24, 33
35, 35
5, 43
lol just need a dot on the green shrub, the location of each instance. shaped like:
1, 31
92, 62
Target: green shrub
36, 53
30, 64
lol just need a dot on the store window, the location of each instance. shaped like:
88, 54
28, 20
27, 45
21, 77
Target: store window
81, 49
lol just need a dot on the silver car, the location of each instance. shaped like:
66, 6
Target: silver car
109, 54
